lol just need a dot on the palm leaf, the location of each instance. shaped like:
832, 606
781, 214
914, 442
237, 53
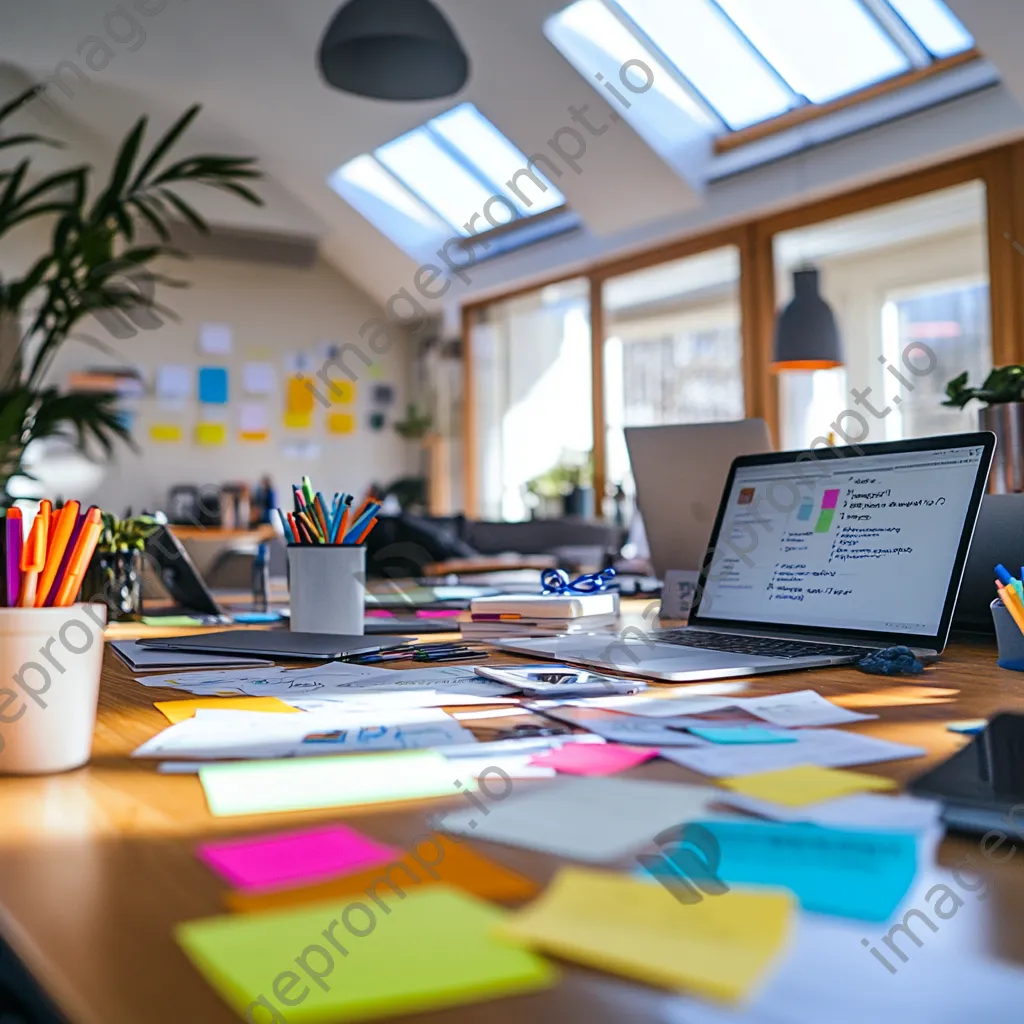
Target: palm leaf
161, 149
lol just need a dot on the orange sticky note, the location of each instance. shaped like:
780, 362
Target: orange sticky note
448, 862
178, 710
299, 396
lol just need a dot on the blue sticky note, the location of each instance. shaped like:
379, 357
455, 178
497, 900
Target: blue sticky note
213, 385
743, 734
857, 874
255, 618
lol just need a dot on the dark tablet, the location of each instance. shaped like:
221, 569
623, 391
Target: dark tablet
278, 644
982, 787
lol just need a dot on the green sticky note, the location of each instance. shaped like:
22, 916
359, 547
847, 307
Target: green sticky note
350, 960
300, 784
171, 620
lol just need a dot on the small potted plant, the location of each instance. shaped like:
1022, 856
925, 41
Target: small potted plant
115, 572
1002, 412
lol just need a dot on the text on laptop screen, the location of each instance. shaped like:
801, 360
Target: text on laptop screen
857, 543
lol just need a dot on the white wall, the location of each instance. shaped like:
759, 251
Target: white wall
273, 311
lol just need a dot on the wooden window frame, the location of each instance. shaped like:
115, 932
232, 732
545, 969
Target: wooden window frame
1001, 170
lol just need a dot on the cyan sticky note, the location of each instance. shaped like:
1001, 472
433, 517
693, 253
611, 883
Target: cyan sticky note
848, 873
213, 385
742, 734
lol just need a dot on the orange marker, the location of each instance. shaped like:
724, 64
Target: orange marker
80, 557
1012, 604
369, 526
33, 560
340, 539
62, 525
46, 514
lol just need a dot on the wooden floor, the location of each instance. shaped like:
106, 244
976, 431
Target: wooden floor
97, 865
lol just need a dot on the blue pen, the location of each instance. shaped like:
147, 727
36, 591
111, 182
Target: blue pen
288, 535
1004, 576
360, 524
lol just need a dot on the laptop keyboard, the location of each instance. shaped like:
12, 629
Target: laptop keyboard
731, 643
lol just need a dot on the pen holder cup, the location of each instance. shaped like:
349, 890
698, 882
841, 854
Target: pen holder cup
1009, 638
327, 587
50, 662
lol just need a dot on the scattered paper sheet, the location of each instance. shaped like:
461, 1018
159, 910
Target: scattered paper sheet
719, 948
869, 811
435, 860
213, 734
179, 710
594, 820
788, 710
262, 787
829, 748
864, 875
441, 939
617, 728
806, 784
287, 859
593, 759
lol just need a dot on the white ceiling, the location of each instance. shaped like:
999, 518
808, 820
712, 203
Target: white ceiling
252, 65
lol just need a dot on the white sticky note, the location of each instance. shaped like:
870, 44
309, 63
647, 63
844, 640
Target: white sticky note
259, 378
253, 418
215, 339
174, 382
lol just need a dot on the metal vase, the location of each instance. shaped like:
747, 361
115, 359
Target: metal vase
1006, 421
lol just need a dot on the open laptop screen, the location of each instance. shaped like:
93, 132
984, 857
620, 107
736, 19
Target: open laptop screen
866, 540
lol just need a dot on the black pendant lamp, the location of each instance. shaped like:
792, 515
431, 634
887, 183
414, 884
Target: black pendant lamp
807, 336
393, 50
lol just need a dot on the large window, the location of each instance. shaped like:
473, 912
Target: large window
456, 176
908, 284
673, 351
531, 361
732, 64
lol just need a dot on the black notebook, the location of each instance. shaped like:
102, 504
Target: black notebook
278, 644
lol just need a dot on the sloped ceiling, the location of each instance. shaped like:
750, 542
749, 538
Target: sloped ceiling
251, 63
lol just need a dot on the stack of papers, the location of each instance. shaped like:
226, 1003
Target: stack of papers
439, 951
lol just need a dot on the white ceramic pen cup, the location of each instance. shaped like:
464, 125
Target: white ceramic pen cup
50, 663
327, 586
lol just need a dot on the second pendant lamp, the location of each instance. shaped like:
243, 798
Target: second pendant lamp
807, 335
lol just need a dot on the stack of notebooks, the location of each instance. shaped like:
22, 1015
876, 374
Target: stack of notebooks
539, 615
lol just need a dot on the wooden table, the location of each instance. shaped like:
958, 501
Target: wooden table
97, 865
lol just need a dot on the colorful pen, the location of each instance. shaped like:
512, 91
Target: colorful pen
14, 536
85, 545
33, 560
62, 526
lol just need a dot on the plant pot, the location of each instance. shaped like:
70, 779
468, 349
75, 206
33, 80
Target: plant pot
579, 502
1006, 421
115, 578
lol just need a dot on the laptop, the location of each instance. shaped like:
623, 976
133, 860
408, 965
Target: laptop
816, 558
680, 472
998, 538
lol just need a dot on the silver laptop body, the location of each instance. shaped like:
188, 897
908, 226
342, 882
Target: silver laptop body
816, 558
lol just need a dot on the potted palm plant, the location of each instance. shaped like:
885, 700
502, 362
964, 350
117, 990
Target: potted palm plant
1002, 411
96, 266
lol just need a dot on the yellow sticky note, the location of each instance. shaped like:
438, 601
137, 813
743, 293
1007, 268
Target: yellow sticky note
298, 420
433, 952
718, 948
165, 433
805, 784
342, 392
341, 423
179, 710
211, 434
299, 396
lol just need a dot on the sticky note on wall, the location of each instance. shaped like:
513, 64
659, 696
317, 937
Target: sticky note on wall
210, 435
165, 433
341, 392
299, 396
213, 385
253, 422
341, 423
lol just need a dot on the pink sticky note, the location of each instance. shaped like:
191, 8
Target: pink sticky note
831, 499
593, 758
288, 859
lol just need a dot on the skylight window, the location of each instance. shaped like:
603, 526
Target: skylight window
739, 63
448, 178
